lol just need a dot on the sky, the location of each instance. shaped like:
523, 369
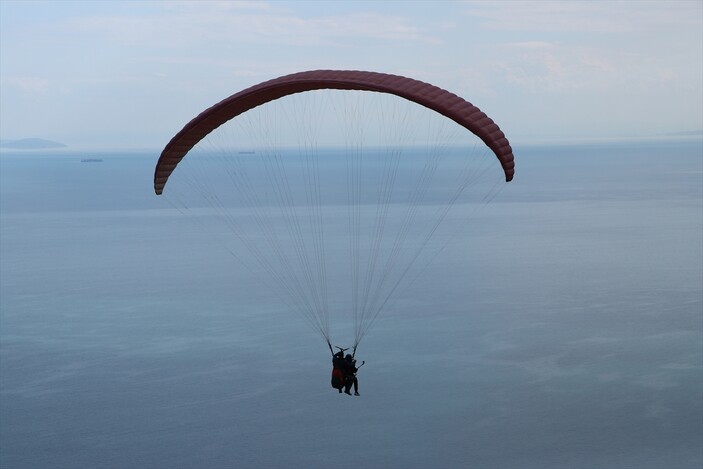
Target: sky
131, 74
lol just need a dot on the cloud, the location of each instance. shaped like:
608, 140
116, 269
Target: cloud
544, 67
531, 45
540, 67
593, 46
27, 85
223, 24
583, 16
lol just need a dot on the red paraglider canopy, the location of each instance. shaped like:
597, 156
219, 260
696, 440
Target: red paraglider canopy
448, 104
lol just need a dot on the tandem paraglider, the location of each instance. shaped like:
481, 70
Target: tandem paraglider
336, 190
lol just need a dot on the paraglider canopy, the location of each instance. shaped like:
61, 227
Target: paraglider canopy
448, 104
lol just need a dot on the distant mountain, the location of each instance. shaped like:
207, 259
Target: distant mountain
31, 144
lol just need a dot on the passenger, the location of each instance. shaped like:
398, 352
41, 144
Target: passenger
350, 379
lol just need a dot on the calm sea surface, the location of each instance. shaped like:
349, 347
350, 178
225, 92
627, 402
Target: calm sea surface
564, 329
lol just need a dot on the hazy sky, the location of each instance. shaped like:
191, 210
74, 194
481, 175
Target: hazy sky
131, 74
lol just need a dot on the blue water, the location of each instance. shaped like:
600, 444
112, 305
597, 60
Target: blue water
564, 330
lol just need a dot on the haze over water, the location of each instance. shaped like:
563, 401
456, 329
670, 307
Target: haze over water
564, 329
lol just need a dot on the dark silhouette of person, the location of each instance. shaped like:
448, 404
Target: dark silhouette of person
339, 367
350, 379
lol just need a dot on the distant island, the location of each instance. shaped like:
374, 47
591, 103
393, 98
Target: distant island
31, 144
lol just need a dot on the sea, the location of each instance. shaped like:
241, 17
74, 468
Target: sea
566, 331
